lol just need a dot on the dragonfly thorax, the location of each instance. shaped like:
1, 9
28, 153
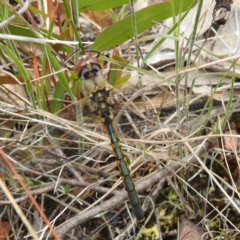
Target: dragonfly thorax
101, 101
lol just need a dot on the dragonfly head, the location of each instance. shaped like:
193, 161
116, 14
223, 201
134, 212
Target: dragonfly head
89, 71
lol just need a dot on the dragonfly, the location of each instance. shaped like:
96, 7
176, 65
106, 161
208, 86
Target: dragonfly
96, 88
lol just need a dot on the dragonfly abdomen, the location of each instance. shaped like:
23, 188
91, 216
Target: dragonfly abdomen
122, 163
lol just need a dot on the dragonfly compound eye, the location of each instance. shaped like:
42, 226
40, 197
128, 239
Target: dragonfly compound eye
87, 66
89, 71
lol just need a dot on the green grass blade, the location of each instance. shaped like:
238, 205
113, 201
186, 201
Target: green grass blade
145, 19
25, 74
97, 5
